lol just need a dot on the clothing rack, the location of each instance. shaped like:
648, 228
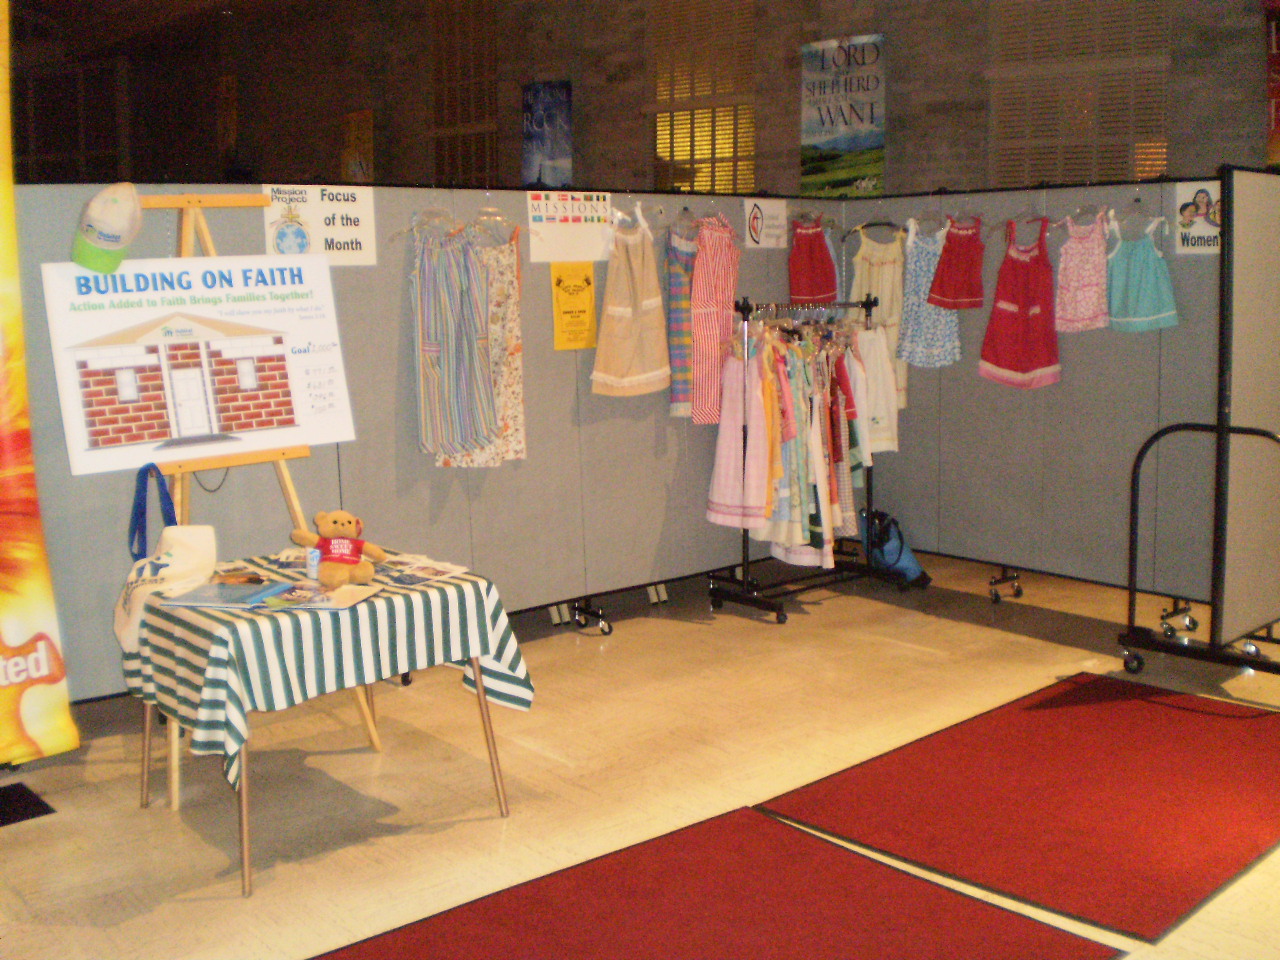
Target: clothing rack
739, 586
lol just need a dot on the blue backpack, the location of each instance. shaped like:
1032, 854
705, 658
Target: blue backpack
888, 552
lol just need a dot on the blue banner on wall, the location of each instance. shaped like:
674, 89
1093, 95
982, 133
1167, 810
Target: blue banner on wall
548, 135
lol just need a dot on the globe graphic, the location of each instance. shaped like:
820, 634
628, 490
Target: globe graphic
291, 238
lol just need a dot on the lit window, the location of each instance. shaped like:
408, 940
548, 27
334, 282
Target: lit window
246, 374
702, 60
1079, 91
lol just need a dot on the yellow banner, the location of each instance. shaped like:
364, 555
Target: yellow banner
573, 296
35, 714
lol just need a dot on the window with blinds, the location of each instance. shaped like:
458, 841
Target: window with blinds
1078, 91
464, 130
701, 56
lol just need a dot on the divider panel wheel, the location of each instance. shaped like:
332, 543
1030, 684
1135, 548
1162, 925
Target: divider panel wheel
1133, 662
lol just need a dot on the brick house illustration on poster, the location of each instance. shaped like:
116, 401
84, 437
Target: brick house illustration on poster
182, 379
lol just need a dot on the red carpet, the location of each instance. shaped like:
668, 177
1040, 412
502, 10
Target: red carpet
1111, 801
738, 886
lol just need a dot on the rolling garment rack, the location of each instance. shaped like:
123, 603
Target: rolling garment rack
740, 587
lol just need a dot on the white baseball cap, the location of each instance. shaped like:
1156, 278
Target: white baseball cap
110, 222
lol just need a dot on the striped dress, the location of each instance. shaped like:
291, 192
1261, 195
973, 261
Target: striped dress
456, 408
715, 281
681, 252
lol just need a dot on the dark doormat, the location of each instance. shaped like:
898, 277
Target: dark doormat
19, 802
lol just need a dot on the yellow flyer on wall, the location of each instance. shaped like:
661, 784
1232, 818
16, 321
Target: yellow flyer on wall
35, 712
573, 294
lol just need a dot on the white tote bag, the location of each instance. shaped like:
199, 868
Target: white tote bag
184, 558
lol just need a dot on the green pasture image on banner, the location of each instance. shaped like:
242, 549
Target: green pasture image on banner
842, 119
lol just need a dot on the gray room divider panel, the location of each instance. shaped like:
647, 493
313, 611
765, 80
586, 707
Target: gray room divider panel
1250, 598
1180, 469
86, 518
906, 483
1039, 479
645, 474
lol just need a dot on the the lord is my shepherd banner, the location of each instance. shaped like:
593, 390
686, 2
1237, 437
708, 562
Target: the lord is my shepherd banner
842, 117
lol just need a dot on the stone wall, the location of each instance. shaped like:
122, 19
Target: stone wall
302, 65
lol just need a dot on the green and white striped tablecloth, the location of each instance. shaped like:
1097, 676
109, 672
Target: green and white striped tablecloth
209, 668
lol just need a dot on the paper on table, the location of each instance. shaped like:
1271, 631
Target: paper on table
411, 569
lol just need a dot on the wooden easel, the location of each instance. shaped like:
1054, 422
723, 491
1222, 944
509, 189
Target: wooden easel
192, 226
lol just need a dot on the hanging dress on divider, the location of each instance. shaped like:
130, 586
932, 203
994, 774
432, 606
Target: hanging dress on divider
631, 347
1139, 291
456, 408
506, 359
877, 272
1020, 348
810, 268
957, 283
715, 281
1082, 278
881, 408
930, 334
681, 250
739, 478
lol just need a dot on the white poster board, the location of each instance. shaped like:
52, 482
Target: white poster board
335, 221
566, 226
172, 359
766, 222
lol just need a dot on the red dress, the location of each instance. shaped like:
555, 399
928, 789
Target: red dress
810, 267
957, 281
1021, 345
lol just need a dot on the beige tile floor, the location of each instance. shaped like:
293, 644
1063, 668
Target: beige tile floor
677, 716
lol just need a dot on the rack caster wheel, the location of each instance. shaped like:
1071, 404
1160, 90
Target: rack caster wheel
995, 595
606, 628
1251, 649
579, 621
716, 603
1017, 590
1168, 631
1191, 622
1133, 662
782, 617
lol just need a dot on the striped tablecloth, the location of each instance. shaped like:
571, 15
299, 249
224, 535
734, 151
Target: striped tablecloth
209, 668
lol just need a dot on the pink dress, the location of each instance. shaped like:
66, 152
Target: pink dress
1082, 278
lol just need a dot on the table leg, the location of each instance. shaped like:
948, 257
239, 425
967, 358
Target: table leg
147, 710
246, 870
366, 714
489, 741
175, 764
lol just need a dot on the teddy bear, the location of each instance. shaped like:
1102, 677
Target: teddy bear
344, 557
